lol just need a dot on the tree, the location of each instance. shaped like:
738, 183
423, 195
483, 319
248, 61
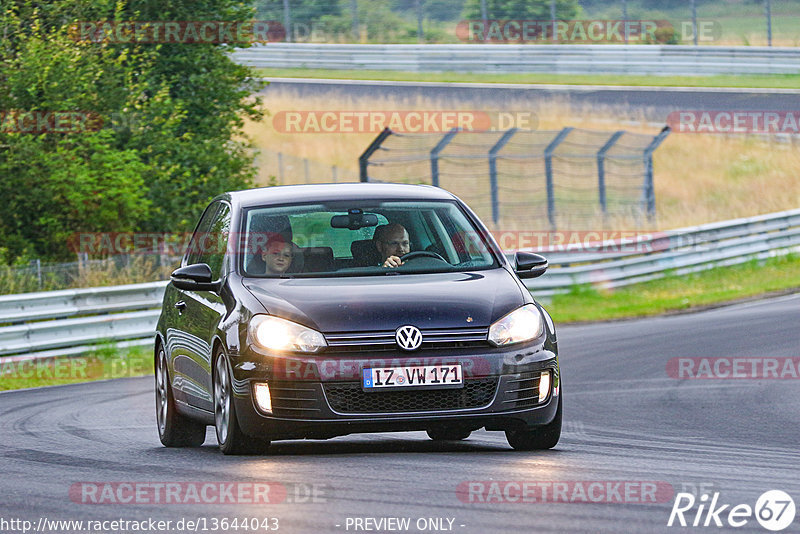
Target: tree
303, 11
440, 10
521, 9
171, 119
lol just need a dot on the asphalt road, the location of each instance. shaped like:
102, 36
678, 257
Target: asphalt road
654, 103
625, 420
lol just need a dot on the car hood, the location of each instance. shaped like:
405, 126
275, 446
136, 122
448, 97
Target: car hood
380, 303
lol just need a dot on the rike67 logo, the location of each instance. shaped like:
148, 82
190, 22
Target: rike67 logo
774, 510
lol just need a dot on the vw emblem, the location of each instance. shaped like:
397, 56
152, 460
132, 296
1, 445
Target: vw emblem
408, 337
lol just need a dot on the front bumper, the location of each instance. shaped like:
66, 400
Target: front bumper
321, 397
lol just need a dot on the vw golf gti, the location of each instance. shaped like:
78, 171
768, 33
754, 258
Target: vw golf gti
317, 311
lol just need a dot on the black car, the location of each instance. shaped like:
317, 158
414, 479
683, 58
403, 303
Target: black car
324, 310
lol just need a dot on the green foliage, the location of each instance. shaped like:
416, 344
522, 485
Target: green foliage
302, 11
521, 9
667, 35
171, 117
439, 10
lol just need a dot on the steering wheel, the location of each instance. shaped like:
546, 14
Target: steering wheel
421, 254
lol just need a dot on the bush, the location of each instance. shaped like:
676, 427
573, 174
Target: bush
171, 116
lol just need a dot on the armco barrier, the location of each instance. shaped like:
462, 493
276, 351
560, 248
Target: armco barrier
38, 325
503, 58
72, 321
679, 251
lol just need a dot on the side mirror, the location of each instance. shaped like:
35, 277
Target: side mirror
529, 265
195, 277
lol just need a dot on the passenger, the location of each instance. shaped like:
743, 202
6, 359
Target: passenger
392, 241
277, 255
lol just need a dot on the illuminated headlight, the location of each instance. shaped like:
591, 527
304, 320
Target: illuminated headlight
263, 397
523, 324
274, 333
544, 385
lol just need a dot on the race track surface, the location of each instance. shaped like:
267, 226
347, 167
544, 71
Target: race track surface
625, 418
627, 102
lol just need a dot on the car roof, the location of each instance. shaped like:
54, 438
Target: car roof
287, 194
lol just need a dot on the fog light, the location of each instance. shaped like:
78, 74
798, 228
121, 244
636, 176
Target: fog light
544, 385
263, 398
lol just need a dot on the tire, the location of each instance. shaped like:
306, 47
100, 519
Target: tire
537, 438
448, 434
229, 435
174, 429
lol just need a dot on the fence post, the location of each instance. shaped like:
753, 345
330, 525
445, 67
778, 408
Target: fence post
548, 170
649, 191
768, 16
354, 11
335, 174
443, 142
38, 263
287, 20
625, 18
280, 167
601, 168
493, 171
363, 160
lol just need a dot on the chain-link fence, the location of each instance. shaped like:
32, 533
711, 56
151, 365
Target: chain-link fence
119, 269
570, 177
690, 22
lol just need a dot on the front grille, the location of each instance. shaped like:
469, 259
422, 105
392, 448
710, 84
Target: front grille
523, 391
384, 340
294, 399
348, 397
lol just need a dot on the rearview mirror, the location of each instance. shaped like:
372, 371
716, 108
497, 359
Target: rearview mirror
354, 220
529, 265
196, 277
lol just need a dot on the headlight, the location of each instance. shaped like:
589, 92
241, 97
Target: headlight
279, 334
522, 324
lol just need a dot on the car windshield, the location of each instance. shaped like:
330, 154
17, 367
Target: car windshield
361, 239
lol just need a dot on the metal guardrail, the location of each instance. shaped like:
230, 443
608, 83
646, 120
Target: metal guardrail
502, 58
73, 321
60, 323
681, 251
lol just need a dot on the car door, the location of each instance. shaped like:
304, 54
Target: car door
199, 312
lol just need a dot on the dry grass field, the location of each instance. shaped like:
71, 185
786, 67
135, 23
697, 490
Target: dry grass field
699, 178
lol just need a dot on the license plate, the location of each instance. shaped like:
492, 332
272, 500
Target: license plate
418, 376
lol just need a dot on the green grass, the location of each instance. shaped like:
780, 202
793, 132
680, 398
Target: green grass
103, 363
678, 293
769, 81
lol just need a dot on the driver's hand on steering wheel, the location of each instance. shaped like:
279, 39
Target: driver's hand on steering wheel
392, 261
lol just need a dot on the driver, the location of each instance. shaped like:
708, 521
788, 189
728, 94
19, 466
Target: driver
391, 240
